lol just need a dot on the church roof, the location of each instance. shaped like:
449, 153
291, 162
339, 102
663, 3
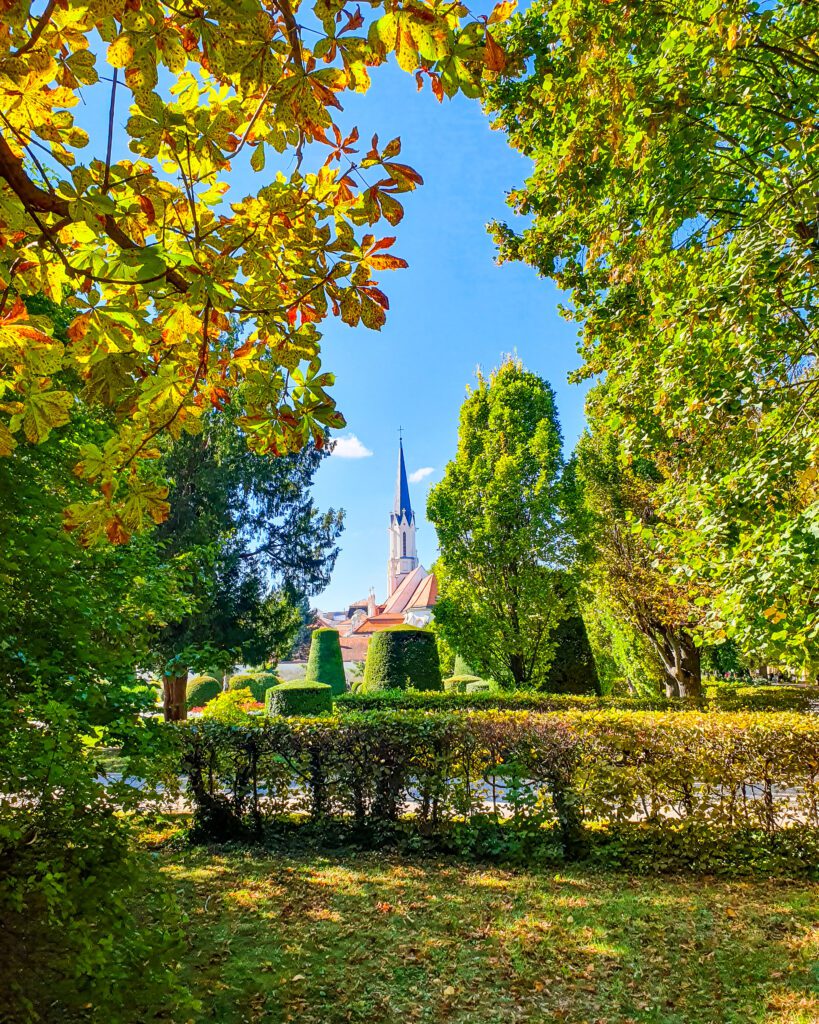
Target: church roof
378, 622
418, 589
399, 599
402, 504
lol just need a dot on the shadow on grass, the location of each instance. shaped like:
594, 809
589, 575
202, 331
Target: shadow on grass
361, 937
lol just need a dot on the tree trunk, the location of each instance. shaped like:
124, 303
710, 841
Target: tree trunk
681, 658
174, 701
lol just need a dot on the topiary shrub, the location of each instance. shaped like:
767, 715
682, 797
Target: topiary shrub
400, 658
325, 664
463, 668
479, 686
257, 682
457, 684
200, 690
299, 698
573, 669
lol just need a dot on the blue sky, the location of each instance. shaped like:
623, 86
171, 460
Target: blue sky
453, 310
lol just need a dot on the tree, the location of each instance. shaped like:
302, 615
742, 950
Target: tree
257, 541
497, 513
74, 624
629, 574
158, 255
674, 197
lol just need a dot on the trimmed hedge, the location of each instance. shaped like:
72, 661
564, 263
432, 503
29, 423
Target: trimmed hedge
573, 669
567, 782
463, 668
325, 664
200, 690
299, 698
754, 698
478, 686
257, 682
457, 684
400, 658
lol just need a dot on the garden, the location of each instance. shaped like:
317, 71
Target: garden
581, 784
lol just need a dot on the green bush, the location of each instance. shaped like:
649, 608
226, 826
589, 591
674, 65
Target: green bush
573, 669
457, 684
201, 689
257, 682
402, 658
463, 668
231, 707
765, 698
325, 664
478, 686
756, 698
299, 698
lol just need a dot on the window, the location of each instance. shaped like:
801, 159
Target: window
404, 539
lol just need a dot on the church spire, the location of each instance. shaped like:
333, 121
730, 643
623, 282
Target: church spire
403, 556
402, 505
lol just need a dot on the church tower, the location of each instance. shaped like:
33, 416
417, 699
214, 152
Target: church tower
403, 556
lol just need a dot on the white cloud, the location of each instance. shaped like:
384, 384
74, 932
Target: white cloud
350, 448
419, 474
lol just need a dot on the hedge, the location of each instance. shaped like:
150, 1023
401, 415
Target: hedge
568, 781
457, 684
299, 698
200, 690
752, 698
325, 664
257, 682
402, 657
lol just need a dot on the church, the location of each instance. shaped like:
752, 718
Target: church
411, 590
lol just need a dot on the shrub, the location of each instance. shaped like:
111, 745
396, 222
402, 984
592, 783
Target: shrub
257, 682
573, 669
478, 686
201, 689
457, 684
757, 698
564, 781
766, 698
232, 707
299, 698
463, 668
325, 664
400, 658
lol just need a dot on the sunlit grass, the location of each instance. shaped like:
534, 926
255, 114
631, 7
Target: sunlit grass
367, 937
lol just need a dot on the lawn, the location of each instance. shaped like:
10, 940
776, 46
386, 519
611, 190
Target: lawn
374, 938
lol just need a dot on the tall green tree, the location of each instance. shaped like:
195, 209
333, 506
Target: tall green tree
503, 544
259, 544
634, 583
674, 197
75, 622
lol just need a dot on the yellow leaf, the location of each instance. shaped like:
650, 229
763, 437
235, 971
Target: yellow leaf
502, 11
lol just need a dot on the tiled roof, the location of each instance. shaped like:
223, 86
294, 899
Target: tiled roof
378, 622
426, 594
397, 601
354, 648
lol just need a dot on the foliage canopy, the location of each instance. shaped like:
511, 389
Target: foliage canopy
156, 251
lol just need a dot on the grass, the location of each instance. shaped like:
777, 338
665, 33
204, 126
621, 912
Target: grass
366, 937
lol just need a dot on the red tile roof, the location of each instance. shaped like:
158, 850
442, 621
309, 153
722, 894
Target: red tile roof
377, 623
354, 648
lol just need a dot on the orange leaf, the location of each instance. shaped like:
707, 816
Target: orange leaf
494, 57
387, 262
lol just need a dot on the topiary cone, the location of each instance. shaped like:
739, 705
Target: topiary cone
325, 664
